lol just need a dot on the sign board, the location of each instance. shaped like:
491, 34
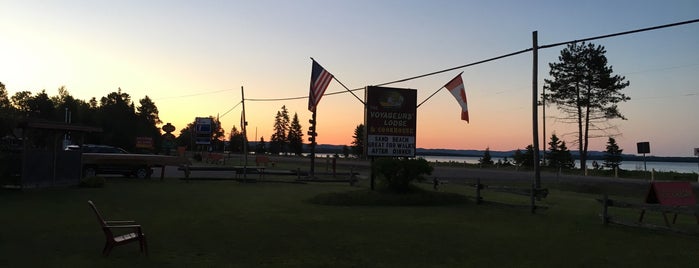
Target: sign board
390, 120
144, 142
674, 193
643, 147
203, 130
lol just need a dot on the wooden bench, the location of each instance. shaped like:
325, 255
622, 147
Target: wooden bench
215, 158
237, 169
113, 240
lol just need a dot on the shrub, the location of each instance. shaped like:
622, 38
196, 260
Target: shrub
418, 197
397, 174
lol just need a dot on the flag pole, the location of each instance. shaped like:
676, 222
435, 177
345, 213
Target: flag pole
343, 85
313, 145
348, 90
418, 106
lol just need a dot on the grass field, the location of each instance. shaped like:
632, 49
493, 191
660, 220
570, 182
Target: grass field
230, 224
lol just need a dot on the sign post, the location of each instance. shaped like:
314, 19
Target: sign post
696, 153
643, 148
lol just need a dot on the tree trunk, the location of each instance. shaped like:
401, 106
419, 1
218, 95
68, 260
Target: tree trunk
581, 149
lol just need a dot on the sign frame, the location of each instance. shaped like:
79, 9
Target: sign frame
390, 121
203, 128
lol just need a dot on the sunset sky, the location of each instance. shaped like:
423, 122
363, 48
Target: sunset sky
192, 57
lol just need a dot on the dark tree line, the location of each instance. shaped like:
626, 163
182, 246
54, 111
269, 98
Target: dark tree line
121, 120
288, 134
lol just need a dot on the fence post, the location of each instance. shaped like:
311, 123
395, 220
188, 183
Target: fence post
479, 199
605, 205
533, 196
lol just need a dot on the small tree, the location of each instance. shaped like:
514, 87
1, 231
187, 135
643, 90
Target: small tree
518, 157
358, 142
397, 174
236, 141
295, 136
487, 160
558, 155
525, 159
345, 151
612, 156
281, 129
261, 147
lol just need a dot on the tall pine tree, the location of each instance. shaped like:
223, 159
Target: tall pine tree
295, 136
585, 90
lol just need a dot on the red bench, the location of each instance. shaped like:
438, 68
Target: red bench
262, 160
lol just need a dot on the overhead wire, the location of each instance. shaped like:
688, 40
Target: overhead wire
493, 58
194, 94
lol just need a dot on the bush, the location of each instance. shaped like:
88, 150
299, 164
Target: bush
417, 197
397, 174
92, 182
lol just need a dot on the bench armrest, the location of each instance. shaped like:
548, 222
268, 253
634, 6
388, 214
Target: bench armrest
119, 222
137, 227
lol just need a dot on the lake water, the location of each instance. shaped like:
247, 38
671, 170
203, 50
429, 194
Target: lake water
682, 167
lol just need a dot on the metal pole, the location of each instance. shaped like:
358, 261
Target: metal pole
535, 109
371, 172
245, 135
543, 123
313, 146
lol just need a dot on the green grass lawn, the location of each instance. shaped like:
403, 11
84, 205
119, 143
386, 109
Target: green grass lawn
230, 224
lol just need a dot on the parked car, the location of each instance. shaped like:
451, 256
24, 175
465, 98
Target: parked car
104, 159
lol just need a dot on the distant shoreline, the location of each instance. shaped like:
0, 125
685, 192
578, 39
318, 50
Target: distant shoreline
592, 155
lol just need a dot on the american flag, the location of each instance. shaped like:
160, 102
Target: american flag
320, 79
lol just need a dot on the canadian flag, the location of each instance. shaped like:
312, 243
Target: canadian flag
456, 87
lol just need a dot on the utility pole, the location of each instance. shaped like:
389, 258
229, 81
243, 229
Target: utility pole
244, 123
535, 109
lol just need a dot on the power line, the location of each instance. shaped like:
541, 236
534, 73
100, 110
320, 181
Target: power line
622, 33
194, 94
499, 57
231, 109
663, 68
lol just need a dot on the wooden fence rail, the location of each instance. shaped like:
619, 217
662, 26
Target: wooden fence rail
643, 207
533, 193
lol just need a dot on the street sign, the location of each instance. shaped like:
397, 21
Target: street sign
643, 147
203, 130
